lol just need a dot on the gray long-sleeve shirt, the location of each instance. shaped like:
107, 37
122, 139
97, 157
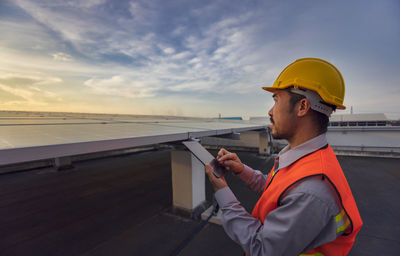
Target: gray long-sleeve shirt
308, 216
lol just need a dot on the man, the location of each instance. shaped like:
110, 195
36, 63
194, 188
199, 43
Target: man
306, 206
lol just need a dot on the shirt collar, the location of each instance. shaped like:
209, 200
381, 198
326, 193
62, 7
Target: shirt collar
288, 155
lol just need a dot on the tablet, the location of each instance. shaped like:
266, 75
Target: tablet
205, 157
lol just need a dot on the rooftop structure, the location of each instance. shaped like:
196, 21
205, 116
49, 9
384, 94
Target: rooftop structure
127, 204
358, 117
121, 205
373, 119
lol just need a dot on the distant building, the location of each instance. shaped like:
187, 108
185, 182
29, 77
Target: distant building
349, 120
357, 134
231, 118
373, 119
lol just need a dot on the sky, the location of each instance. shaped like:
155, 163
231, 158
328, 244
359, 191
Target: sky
191, 58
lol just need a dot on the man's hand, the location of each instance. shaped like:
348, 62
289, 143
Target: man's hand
217, 183
230, 160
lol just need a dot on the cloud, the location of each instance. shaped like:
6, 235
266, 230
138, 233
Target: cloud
142, 14
181, 55
196, 85
169, 50
15, 63
86, 3
27, 97
179, 30
28, 89
142, 49
66, 25
122, 87
34, 78
25, 94
61, 56
217, 54
72, 26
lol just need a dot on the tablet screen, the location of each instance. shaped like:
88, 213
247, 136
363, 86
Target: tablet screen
205, 157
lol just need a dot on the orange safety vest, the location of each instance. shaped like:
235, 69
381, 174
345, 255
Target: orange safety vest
322, 163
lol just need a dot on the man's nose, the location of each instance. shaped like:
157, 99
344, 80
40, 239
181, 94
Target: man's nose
270, 112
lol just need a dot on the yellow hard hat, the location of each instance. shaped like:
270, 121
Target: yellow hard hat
313, 74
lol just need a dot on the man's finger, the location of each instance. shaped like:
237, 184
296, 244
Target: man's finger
208, 169
210, 174
230, 156
222, 152
229, 163
217, 183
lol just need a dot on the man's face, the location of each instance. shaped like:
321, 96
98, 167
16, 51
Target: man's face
282, 118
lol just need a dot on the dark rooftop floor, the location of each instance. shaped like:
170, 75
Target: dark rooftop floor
122, 206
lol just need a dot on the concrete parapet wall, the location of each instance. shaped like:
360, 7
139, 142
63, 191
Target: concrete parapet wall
368, 141
374, 139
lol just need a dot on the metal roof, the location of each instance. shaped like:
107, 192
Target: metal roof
335, 118
358, 117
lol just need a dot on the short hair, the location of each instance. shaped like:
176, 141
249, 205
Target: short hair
320, 119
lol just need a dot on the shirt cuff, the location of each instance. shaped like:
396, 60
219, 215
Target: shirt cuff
225, 197
246, 173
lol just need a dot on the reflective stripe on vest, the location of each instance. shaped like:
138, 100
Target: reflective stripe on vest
314, 254
342, 222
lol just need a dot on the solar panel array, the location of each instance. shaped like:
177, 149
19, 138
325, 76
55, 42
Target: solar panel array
28, 138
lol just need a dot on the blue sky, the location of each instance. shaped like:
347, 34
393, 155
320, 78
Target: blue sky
192, 58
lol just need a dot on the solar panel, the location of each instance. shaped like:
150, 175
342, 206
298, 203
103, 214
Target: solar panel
34, 138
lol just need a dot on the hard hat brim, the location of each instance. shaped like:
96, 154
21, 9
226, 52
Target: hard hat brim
270, 88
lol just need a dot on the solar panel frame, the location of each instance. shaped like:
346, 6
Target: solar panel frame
25, 142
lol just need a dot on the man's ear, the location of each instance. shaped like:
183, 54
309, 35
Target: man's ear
303, 107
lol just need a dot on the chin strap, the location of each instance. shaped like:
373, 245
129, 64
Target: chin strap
316, 101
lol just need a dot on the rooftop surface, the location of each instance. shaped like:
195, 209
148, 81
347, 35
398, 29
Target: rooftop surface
121, 205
